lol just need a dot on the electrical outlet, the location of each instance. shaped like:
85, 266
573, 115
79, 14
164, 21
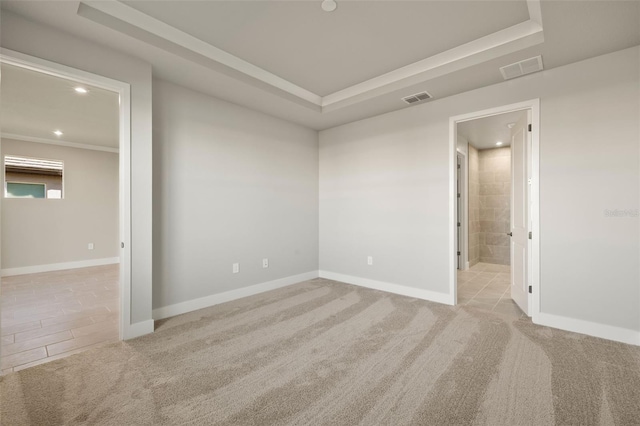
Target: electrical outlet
236, 268
265, 263
90, 246
369, 260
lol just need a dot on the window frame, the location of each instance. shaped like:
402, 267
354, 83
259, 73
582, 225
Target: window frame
5, 181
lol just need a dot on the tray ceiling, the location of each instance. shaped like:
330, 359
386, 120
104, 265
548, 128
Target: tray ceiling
327, 52
271, 78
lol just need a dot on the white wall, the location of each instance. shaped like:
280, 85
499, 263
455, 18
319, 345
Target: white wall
230, 185
384, 189
43, 231
47, 43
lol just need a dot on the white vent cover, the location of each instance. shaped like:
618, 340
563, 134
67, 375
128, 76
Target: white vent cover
418, 97
521, 68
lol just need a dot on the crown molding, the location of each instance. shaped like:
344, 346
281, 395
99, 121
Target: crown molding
503, 42
166, 32
58, 142
130, 21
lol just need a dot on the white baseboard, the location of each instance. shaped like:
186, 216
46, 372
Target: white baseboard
603, 331
431, 296
58, 266
227, 296
137, 329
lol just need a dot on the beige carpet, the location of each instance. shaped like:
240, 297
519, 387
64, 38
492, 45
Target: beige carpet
325, 353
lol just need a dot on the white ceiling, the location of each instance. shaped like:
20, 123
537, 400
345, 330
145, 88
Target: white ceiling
34, 105
483, 133
287, 59
327, 52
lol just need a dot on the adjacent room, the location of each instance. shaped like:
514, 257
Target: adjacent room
485, 225
60, 274
320, 212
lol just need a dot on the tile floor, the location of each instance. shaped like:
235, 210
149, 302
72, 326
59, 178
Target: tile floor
486, 286
51, 315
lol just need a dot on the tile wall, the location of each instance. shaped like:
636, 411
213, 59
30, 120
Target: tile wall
494, 167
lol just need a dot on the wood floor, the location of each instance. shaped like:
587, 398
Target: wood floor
51, 315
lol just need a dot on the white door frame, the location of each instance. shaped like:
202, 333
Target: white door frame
124, 91
534, 207
464, 226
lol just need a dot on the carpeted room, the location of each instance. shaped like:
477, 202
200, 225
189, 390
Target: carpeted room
323, 352
344, 201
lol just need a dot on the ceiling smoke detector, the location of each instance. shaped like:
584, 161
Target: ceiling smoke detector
518, 69
418, 97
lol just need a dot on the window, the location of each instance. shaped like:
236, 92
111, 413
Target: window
32, 177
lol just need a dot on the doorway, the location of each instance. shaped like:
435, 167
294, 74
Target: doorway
78, 83
502, 244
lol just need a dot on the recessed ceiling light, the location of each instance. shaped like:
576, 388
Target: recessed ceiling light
57, 132
329, 5
498, 143
81, 90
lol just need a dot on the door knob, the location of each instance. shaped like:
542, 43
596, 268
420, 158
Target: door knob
510, 234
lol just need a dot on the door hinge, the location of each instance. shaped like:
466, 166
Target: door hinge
458, 195
458, 165
121, 245
529, 127
459, 253
529, 234
530, 289
458, 223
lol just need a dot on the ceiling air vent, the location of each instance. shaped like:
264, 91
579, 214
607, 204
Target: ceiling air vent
418, 97
521, 68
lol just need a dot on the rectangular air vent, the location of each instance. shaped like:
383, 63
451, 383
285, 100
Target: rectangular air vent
418, 97
521, 68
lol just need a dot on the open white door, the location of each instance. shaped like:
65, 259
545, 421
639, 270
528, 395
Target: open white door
520, 137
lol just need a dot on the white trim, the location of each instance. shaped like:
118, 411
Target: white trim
10, 272
534, 208
138, 329
57, 142
603, 331
500, 43
508, 40
124, 91
453, 149
403, 290
227, 296
464, 224
167, 32
535, 11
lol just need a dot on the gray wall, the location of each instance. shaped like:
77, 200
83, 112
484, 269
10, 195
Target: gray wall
42, 231
230, 185
384, 189
44, 42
